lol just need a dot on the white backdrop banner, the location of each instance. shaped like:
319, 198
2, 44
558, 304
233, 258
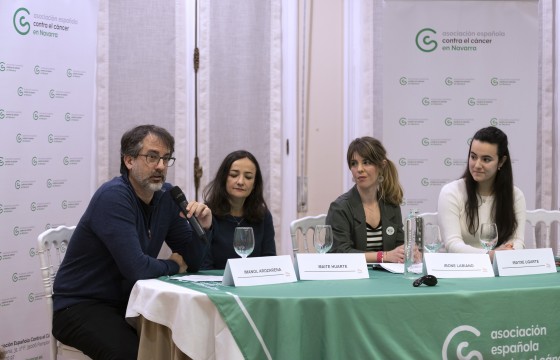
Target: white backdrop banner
47, 114
451, 68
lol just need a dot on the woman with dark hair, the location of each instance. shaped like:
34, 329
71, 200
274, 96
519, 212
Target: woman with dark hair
368, 217
236, 199
484, 194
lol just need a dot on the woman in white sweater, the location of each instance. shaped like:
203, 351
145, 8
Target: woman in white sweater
485, 193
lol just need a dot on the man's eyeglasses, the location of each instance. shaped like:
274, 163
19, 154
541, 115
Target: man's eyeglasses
153, 159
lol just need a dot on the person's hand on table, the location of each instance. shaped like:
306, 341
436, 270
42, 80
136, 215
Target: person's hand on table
179, 260
395, 256
506, 246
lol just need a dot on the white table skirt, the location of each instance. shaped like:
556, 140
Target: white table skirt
197, 327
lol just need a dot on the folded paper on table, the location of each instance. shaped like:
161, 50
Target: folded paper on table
455, 265
331, 266
396, 268
199, 278
524, 262
259, 271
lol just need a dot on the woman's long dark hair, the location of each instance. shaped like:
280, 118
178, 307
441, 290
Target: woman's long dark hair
216, 196
503, 209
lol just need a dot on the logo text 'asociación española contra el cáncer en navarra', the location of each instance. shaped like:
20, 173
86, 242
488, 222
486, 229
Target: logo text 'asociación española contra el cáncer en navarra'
428, 39
49, 26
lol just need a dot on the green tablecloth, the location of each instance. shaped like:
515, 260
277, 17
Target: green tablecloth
385, 317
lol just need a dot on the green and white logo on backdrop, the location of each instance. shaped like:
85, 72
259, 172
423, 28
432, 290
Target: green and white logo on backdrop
424, 42
21, 24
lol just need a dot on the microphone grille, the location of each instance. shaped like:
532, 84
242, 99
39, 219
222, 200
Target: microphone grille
178, 195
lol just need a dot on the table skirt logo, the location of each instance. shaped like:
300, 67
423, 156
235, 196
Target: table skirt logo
474, 354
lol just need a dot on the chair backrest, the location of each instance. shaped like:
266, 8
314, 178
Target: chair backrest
303, 225
545, 217
51, 248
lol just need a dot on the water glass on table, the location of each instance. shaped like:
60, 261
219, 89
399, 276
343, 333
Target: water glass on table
432, 238
488, 236
322, 238
243, 241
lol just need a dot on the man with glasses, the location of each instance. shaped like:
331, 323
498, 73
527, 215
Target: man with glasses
116, 243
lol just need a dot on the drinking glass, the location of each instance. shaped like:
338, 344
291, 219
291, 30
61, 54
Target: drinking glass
432, 238
488, 236
243, 241
322, 238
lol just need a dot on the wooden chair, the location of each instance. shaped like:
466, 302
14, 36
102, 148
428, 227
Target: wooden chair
304, 224
52, 245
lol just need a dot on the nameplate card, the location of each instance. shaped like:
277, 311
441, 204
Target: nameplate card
263, 270
455, 265
524, 262
332, 266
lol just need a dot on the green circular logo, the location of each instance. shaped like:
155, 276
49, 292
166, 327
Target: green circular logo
51, 94
403, 121
425, 141
2, 113
494, 81
448, 81
69, 72
447, 162
20, 91
424, 42
36, 69
402, 162
448, 121
494, 122
20, 23
425, 182
403, 80
35, 115
471, 101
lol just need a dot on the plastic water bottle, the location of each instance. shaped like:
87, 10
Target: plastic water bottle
412, 245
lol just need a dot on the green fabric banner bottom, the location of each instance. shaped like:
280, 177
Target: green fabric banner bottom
385, 317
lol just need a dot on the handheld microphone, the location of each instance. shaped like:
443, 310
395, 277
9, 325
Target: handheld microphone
181, 200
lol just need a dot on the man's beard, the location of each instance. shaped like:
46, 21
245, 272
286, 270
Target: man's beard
155, 187
149, 185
